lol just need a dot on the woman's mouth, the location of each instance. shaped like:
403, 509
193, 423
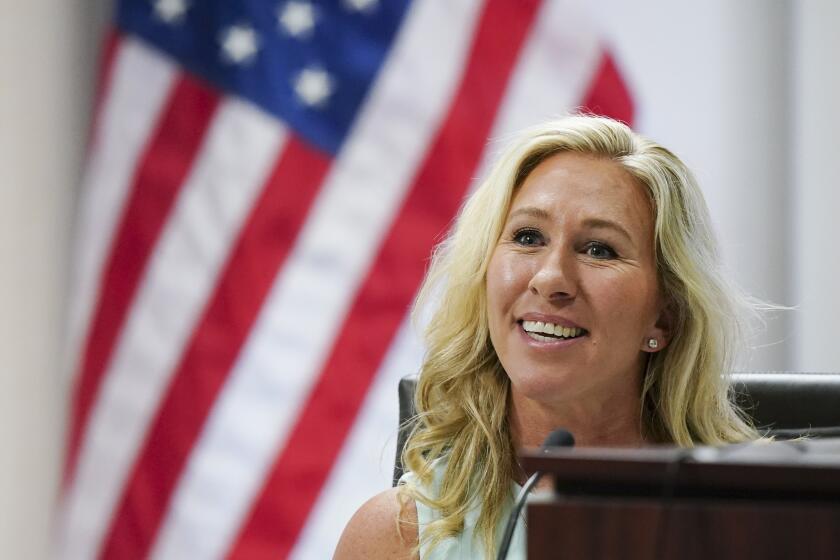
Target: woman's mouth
548, 332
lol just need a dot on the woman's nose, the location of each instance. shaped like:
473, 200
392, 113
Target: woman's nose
555, 277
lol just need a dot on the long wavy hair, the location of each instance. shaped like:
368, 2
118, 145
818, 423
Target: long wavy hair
462, 390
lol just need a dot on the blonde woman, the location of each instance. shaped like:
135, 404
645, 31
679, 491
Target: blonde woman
580, 288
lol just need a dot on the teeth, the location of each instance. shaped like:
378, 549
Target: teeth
538, 327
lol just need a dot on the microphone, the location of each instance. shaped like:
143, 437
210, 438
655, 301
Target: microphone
558, 438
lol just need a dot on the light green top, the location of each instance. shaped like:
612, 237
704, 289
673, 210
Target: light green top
467, 545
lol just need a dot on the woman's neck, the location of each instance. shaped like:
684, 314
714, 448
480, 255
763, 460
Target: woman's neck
605, 422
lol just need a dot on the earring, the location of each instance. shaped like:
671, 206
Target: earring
653, 343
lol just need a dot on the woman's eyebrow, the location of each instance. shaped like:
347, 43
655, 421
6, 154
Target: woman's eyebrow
608, 224
532, 211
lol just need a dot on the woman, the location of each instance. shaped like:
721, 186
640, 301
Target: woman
580, 288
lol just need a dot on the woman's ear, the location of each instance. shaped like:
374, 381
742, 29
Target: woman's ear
658, 337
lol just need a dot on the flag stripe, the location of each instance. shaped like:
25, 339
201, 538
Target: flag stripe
261, 249
553, 74
289, 343
284, 504
234, 163
110, 46
365, 466
160, 174
139, 88
608, 94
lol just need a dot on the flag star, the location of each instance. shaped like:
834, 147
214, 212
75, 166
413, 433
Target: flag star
297, 18
313, 86
170, 11
240, 43
361, 5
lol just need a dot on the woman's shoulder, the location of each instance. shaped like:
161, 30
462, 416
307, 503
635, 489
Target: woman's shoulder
383, 527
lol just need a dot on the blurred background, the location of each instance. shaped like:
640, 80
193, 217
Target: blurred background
745, 92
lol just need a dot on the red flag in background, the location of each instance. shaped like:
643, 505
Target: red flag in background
265, 185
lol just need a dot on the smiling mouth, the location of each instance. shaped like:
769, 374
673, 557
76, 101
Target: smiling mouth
546, 332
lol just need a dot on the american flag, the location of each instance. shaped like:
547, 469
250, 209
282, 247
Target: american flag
265, 183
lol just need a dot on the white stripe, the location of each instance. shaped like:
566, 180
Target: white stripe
553, 73
366, 464
236, 159
304, 310
140, 84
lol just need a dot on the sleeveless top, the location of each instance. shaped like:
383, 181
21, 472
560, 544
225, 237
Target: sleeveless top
467, 545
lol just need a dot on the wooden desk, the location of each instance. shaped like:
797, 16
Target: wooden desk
778, 500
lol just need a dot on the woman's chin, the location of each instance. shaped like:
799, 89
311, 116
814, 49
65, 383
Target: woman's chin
545, 389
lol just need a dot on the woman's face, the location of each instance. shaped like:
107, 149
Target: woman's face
572, 289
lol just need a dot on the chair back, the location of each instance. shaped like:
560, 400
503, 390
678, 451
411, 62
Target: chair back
783, 404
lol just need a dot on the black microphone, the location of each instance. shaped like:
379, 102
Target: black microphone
558, 438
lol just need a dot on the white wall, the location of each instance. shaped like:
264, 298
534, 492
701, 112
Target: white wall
711, 81
816, 185
745, 91
47, 57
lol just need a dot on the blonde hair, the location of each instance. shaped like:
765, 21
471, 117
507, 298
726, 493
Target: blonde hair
462, 391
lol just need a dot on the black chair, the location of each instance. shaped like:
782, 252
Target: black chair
783, 404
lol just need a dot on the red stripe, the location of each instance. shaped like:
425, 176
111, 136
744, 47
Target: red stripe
263, 245
106, 64
608, 95
110, 45
163, 166
380, 305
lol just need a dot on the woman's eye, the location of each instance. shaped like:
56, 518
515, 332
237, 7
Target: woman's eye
600, 251
527, 237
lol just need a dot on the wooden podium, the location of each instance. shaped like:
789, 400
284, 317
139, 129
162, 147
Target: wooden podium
778, 500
